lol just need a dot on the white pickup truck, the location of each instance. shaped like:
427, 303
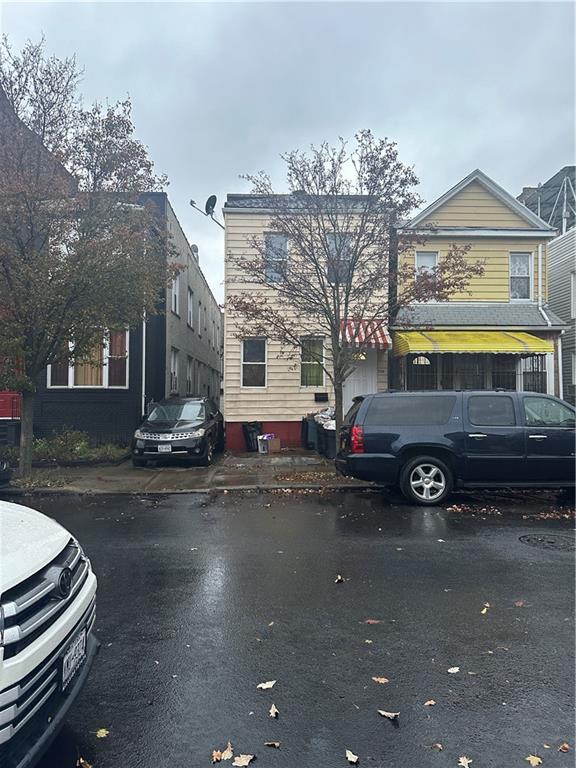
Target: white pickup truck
47, 644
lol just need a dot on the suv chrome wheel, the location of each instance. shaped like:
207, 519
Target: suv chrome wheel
427, 482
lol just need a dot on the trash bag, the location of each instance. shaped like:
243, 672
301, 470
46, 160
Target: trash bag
251, 431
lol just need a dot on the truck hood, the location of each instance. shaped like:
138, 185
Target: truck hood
28, 541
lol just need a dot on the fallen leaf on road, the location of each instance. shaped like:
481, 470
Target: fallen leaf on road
274, 711
369, 642
228, 752
351, 757
389, 715
101, 733
381, 680
533, 760
216, 755
519, 603
339, 579
81, 763
243, 760
271, 624
437, 746
275, 744
265, 686
453, 670
485, 608
464, 761
564, 747
372, 621
429, 703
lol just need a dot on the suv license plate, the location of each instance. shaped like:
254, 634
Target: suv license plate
164, 449
73, 658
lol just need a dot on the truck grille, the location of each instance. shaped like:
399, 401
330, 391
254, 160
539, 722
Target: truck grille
28, 706
32, 606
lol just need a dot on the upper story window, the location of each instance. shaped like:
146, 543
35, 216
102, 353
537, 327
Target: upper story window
275, 256
520, 276
339, 257
190, 315
572, 295
311, 371
199, 318
189, 376
174, 370
175, 295
426, 261
254, 362
106, 366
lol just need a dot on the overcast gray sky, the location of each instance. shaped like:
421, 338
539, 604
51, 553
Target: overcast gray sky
221, 89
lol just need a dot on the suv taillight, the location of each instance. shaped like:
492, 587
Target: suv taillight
357, 439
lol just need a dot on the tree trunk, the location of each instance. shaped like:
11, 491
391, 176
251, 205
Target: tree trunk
26, 434
338, 407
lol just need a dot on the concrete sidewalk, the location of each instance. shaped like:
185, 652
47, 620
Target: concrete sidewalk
229, 472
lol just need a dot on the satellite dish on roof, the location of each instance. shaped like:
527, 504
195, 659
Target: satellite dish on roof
210, 205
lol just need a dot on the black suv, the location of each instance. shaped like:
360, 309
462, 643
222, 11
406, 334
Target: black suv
431, 442
180, 428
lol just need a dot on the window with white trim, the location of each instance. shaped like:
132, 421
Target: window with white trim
199, 318
572, 295
275, 256
104, 367
311, 371
174, 370
339, 257
254, 362
175, 295
426, 261
520, 276
190, 315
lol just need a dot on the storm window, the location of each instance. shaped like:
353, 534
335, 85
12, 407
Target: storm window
520, 269
275, 256
254, 362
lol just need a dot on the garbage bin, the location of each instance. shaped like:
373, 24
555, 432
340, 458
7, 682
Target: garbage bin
312, 439
251, 431
321, 439
330, 442
304, 432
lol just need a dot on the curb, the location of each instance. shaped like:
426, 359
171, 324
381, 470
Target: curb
176, 492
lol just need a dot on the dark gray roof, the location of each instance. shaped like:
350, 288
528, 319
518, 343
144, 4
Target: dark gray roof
294, 201
547, 195
488, 315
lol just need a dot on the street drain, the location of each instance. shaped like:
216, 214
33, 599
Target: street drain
564, 543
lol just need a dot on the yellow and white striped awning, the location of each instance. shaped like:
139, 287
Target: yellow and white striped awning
495, 342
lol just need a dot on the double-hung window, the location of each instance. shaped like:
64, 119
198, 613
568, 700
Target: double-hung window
190, 315
520, 276
104, 366
311, 371
175, 295
339, 257
189, 376
254, 362
426, 261
174, 370
275, 256
572, 295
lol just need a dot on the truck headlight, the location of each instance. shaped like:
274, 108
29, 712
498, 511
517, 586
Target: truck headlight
198, 433
138, 434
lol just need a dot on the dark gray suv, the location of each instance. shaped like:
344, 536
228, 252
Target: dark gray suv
428, 443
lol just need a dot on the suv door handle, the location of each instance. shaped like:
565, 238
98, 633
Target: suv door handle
478, 435
538, 437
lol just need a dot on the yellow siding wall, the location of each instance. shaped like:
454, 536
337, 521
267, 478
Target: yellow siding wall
474, 206
495, 253
283, 399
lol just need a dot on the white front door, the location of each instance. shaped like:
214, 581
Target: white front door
362, 381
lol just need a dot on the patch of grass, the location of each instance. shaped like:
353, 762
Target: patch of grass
66, 446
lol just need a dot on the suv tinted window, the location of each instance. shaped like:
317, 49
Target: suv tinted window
544, 412
410, 410
351, 415
491, 411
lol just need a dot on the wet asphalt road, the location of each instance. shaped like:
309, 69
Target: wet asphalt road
201, 599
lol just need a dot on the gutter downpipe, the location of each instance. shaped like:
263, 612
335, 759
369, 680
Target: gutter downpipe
540, 307
143, 403
560, 371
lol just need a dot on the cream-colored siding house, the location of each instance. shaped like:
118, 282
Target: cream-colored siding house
501, 332
261, 381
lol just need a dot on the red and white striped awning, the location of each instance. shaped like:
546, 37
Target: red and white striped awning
366, 333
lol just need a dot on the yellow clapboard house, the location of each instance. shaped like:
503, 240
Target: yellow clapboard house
501, 332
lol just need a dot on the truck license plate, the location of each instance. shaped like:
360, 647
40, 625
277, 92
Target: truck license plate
73, 658
164, 449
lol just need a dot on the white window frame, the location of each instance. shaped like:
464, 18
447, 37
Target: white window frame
105, 377
199, 318
572, 295
425, 253
265, 364
312, 386
175, 295
271, 257
174, 365
530, 275
190, 308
